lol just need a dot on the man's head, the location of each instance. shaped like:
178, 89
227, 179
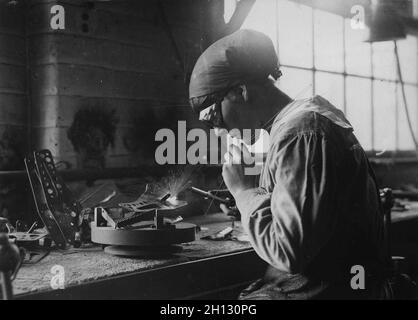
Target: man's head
242, 107
232, 81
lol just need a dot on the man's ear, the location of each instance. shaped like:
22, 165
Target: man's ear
244, 92
239, 94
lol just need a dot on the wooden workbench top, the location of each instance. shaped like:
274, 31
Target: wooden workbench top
410, 214
89, 265
82, 266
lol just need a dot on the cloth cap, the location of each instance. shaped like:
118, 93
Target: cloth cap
245, 55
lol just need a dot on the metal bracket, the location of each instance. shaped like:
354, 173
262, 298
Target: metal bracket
54, 202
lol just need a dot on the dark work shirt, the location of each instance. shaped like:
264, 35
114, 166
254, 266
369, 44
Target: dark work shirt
317, 212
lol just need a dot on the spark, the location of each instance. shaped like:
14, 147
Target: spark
175, 183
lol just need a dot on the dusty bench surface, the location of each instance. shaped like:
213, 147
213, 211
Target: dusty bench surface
83, 266
408, 215
86, 266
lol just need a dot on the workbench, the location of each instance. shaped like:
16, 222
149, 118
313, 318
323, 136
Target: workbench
404, 237
203, 269
407, 215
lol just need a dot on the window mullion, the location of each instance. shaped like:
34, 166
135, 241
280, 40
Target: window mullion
313, 54
345, 69
372, 99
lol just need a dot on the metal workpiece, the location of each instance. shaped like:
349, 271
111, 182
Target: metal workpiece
149, 236
55, 204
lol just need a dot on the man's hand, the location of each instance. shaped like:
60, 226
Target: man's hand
234, 171
231, 211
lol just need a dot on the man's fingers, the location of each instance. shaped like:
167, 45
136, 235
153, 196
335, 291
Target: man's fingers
236, 154
228, 158
239, 155
225, 209
245, 151
231, 158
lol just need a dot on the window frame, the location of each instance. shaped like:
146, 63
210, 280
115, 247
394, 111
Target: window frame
372, 152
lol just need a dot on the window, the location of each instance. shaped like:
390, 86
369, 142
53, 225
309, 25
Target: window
320, 53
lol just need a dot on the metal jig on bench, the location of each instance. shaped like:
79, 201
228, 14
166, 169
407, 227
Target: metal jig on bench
56, 206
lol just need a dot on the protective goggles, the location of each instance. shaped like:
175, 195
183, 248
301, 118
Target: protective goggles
212, 116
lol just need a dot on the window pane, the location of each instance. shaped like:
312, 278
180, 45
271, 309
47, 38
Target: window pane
359, 109
384, 64
329, 48
331, 87
295, 34
408, 54
358, 53
405, 139
296, 83
384, 116
262, 18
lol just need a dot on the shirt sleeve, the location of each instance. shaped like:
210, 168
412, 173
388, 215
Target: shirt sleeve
288, 226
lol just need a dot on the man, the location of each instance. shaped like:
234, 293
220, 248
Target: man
316, 213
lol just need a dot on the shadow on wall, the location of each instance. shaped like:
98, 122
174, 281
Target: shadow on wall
91, 134
13, 204
140, 139
12, 149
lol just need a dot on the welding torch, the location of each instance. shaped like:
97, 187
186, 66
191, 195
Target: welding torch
229, 201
